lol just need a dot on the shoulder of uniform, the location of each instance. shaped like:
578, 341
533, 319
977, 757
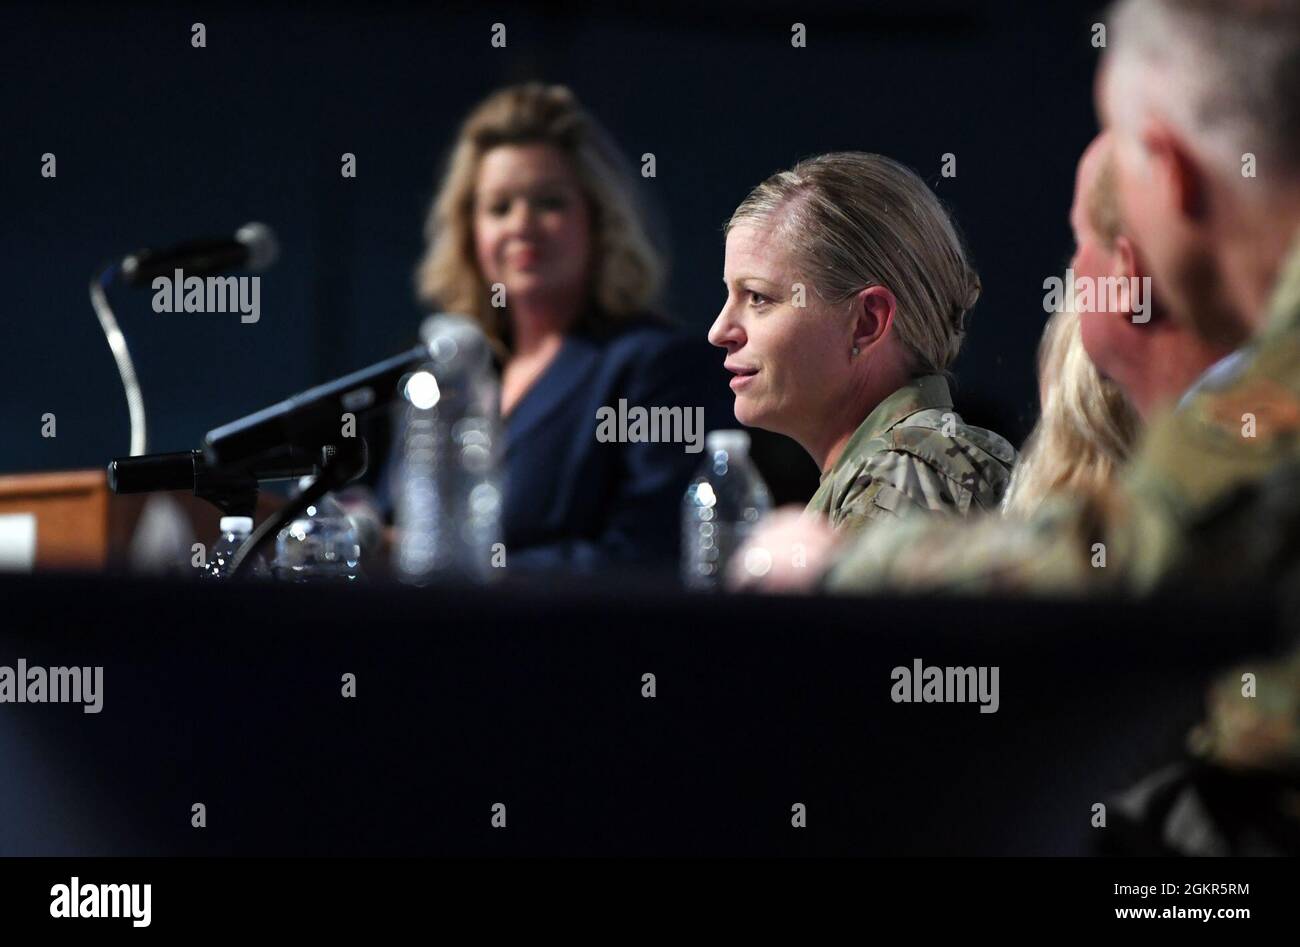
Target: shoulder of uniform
955, 452
1227, 434
875, 492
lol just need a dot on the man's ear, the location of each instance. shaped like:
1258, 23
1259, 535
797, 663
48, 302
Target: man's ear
873, 316
1176, 172
1124, 265
1124, 260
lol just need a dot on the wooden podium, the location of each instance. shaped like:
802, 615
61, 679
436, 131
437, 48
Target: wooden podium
79, 524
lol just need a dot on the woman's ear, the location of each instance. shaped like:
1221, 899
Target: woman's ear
873, 316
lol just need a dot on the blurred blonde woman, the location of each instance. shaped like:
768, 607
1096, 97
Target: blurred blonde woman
535, 232
536, 200
1086, 428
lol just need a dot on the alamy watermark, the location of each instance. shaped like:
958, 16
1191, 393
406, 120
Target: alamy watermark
181, 293
658, 425
1099, 294
946, 685
57, 685
75, 899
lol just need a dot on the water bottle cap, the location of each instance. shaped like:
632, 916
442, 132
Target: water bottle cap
236, 524
454, 339
736, 442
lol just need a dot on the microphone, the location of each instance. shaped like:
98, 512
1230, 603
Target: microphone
253, 247
150, 472
310, 419
189, 470
284, 439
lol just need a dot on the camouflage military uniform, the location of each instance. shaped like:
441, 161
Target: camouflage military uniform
1253, 722
1205, 481
1211, 501
1238, 791
913, 452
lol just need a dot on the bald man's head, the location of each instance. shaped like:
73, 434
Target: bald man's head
1152, 361
1203, 100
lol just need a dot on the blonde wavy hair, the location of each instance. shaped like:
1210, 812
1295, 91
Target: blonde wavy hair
854, 220
1086, 427
1085, 431
627, 272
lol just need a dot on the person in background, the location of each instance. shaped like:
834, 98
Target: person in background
1085, 433
1101, 371
1085, 430
1153, 357
535, 234
848, 291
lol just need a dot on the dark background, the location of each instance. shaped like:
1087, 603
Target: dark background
158, 142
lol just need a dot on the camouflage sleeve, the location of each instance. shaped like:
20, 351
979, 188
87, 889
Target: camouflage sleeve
891, 484
1048, 554
1253, 719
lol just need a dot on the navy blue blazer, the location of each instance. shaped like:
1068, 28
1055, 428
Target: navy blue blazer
573, 503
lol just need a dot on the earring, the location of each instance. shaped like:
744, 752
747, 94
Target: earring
855, 350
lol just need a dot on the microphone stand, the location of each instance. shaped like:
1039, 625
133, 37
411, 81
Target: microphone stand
121, 356
233, 494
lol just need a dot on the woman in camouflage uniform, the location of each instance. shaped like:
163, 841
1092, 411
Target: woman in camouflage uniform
847, 297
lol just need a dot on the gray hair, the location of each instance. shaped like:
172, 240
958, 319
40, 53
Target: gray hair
1225, 72
855, 220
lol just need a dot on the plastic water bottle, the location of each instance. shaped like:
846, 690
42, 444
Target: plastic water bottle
234, 530
447, 494
722, 506
321, 545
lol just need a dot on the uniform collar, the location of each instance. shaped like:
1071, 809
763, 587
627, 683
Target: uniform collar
1283, 315
919, 394
1217, 375
1284, 306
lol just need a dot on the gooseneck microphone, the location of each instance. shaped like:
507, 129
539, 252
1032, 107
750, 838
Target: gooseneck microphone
253, 247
